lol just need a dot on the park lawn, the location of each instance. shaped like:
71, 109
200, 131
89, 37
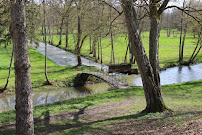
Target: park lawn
118, 112
56, 74
168, 50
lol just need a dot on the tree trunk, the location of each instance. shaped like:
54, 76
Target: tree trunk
23, 88
153, 95
194, 54
67, 37
94, 46
125, 60
78, 42
45, 35
101, 49
181, 32
168, 32
112, 40
49, 33
112, 49
154, 43
90, 42
60, 41
98, 49
183, 41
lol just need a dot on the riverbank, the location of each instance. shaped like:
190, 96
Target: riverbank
60, 76
117, 112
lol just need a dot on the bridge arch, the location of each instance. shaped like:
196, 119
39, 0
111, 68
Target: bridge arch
82, 78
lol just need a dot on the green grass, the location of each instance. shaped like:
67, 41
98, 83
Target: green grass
57, 74
168, 50
184, 99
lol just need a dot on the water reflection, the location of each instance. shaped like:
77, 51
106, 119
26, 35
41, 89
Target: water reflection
173, 75
7, 102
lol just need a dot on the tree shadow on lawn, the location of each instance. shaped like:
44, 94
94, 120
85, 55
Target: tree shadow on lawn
43, 126
86, 127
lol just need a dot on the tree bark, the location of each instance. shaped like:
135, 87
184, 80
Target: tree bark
153, 95
154, 42
23, 88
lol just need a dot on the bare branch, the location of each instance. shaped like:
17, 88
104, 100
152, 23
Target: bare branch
112, 7
186, 12
163, 6
113, 22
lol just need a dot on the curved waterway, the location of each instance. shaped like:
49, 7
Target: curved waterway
7, 102
64, 58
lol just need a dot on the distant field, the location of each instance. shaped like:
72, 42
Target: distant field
168, 51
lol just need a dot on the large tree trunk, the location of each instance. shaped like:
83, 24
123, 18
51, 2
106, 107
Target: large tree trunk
153, 95
154, 43
23, 88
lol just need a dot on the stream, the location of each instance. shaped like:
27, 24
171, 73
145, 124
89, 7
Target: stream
7, 102
173, 75
62, 58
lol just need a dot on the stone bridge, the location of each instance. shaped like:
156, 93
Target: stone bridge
112, 80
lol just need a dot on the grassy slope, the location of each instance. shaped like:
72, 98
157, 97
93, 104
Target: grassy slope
168, 52
55, 72
116, 112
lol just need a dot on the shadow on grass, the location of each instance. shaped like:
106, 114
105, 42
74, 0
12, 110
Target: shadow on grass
44, 126
82, 126
86, 127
